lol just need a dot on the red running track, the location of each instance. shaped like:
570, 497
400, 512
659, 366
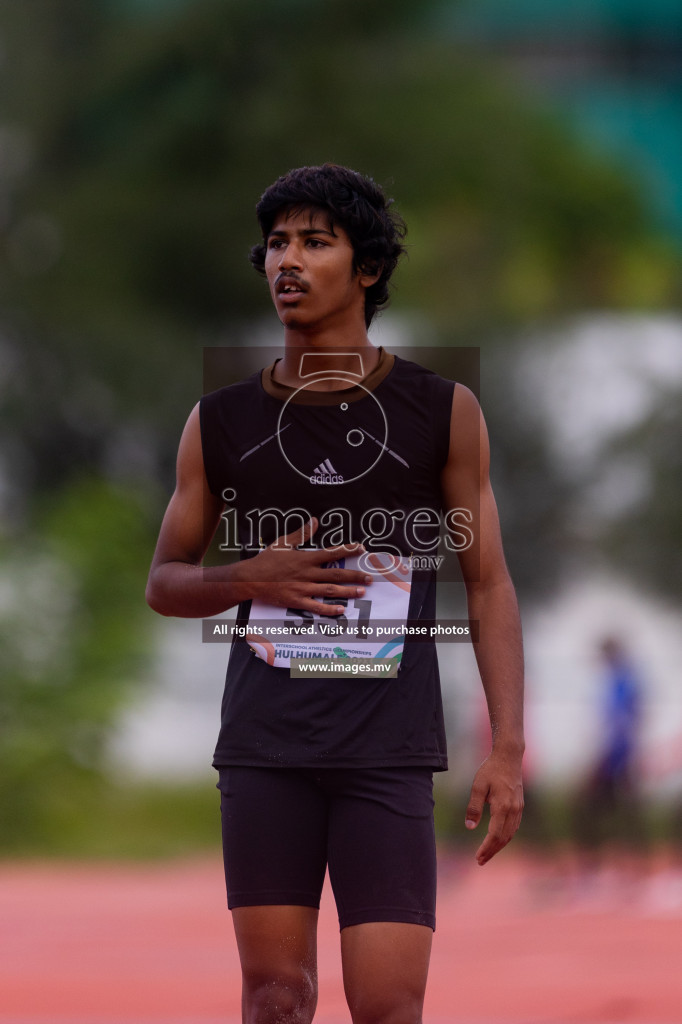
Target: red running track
516, 944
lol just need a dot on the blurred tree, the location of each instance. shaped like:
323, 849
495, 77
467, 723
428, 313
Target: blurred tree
73, 640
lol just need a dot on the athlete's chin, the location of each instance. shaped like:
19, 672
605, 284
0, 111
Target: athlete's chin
293, 321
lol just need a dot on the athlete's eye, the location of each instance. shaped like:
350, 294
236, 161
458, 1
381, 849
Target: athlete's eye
316, 243
275, 243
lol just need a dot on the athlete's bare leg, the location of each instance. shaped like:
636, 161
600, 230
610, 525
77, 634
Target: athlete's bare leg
385, 966
278, 954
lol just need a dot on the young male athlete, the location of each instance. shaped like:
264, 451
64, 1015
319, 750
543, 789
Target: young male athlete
340, 460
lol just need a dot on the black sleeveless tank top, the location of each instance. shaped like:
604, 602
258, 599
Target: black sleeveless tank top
366, 461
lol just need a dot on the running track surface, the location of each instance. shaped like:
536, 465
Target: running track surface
516, 944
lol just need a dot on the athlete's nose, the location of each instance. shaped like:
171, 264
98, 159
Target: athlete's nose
290, 258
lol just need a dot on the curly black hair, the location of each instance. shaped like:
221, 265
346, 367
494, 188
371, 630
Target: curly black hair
354, 202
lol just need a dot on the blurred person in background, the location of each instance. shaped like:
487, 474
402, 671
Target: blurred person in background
608, 812
321, 770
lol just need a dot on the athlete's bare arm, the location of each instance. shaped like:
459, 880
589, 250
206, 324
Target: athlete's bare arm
492, 601
281, 575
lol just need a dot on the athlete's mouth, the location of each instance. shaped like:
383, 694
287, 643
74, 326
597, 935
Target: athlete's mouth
288, 285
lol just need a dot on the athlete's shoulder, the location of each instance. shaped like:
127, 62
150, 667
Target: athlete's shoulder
424, 385
408, 371
409, 368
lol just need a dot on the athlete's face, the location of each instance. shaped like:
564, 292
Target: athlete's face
309, 267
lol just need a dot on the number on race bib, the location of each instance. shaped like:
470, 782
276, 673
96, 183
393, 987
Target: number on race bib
298, 633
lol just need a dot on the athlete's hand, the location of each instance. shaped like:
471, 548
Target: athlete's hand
498, 783
288, 577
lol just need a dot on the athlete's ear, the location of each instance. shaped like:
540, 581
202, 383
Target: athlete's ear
370, 273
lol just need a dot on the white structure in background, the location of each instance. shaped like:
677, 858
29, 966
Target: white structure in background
596, 379
170, 729
590, 384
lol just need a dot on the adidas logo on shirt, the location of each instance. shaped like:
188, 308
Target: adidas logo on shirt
325, 474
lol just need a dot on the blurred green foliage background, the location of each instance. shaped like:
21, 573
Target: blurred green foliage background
135, 140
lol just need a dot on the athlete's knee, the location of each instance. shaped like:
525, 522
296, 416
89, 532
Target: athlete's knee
285, 999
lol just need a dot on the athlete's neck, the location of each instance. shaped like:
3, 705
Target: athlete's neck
302, 361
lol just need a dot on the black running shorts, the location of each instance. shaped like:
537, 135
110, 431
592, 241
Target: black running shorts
373, 826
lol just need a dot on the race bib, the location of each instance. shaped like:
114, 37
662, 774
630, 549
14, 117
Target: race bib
369, 627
